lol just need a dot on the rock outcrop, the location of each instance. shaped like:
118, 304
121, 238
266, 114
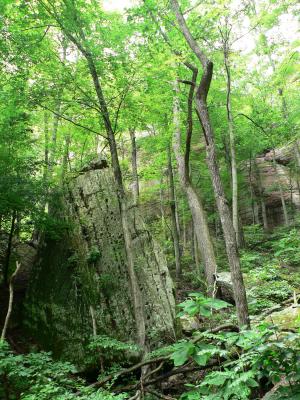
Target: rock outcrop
266, 179
80, 283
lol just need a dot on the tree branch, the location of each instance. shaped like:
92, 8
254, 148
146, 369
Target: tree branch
71, 121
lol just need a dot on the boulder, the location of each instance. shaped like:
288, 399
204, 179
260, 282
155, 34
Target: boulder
80, 282
225, 288
288, 318
189, 324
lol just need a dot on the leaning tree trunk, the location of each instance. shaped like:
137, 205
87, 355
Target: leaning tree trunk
173, 216
222, 204
195, 204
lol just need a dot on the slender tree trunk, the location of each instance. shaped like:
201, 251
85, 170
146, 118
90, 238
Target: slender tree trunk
196, 251
46, 147
65, 159
56, 117
283, 203
224, 212
135, 290
173, 216
234, 176
254, 206
93, 317
10, 302
195, 203
135, 180
9, 247
176, 211
162, 211
261, 197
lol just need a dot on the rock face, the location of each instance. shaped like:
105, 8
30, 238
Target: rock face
81, 278
269, 181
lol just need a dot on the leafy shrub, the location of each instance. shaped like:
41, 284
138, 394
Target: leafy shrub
287, 248
53, 227
250, 260
197, 304
109, 351
94, 255
254, 236
35, 376
250, 356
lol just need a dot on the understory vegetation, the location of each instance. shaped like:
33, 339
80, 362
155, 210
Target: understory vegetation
149, 200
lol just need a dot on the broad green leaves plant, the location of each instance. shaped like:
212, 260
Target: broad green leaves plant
197, 304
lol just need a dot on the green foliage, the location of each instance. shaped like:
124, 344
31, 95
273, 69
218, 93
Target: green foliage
287, 248
54, 227
94, 255
254, 236
198, 304
109, 352
35, 376
251, 356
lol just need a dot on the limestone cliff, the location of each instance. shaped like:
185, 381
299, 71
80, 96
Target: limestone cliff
265, 180
84, 273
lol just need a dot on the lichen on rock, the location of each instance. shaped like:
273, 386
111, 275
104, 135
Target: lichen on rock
87, 267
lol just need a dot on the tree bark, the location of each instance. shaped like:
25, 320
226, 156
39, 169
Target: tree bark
162, 211
10, 301
224, 212
173, 216
195, 204
46, 147
234, 177
135, 176
254, 206
65, 159
9, 247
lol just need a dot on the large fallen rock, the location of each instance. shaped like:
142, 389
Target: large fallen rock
80, 283
225, 288
288, 318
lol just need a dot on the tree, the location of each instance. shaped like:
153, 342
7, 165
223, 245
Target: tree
74, 27
203, 114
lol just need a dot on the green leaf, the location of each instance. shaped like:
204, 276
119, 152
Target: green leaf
180, 356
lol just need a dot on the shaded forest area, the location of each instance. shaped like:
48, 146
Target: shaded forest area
149, 200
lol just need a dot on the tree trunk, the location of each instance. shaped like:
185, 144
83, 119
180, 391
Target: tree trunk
254, 205
10, 302
46, 148
9, 247
195, 203
173, 217
162, 211
82, 46
261, 197
135, 177
234, 177
196, 253
224, 212
65, 159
